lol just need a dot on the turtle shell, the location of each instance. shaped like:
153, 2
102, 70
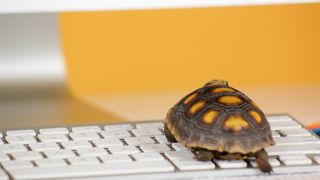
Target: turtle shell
220, 118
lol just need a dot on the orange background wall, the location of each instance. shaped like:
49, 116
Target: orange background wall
151, 50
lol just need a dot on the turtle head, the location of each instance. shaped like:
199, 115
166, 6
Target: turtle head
217, 82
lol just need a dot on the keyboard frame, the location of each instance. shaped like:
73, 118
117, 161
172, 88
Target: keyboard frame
190, 174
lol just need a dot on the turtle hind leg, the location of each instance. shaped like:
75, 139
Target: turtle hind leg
262, 161
204, 155
168, 134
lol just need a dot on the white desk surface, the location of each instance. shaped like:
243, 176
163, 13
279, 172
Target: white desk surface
302, 102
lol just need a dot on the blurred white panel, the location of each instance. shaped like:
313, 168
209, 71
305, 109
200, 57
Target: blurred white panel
30, 54
18, 6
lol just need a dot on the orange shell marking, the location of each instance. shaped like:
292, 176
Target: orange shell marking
236, 123
256, 116
210, 116
230, 100
220, 90
190, 98
196, 107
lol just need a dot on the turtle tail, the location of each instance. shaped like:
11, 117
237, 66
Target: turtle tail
262, 161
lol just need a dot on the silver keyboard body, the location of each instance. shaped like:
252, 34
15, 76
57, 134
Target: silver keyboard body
141, 151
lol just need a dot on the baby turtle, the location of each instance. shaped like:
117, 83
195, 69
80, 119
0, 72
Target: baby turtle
218, 121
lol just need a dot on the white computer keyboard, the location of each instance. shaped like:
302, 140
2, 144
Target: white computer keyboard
141, 151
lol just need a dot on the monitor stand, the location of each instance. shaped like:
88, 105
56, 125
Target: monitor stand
33, 90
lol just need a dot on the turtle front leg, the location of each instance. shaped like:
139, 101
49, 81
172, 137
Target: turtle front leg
262, 161
168, 134
204, 155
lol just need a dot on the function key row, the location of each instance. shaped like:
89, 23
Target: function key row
78, 129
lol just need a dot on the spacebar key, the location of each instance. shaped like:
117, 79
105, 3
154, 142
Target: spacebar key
91, 170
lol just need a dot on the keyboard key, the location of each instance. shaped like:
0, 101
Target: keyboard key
24, 132
146, 132
84, 135
92, 170
75, 144
52, 137
302, 169
291, 156
115, 158
279, 118
20, 139
158, 125
179, 155
107, 142
15, 164
4, 157
86, 129
280, 125
295, 160
184, 160
96, 151
161, 139
295, 132
61, 130
148, 156
294, 149
155, 148
139, 140
83, 160
43, 146
118, 127
291, 140
50, 162
194, 165
8, 148
231, 163
27, 155
121, 133
123, 149
273, 162
63, 153
179, 147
